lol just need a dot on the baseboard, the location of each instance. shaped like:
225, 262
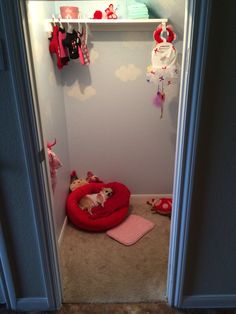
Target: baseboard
62, 231
32, 304
209, 301
143, 198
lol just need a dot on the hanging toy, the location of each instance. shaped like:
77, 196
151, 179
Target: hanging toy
157, 35
54, 164
159, 100
164, 68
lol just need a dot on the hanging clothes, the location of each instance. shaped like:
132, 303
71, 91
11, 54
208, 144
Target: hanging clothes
54, 46
83, 48
72, 41
63, 51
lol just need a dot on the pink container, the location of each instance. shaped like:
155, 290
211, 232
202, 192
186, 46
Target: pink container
69, 12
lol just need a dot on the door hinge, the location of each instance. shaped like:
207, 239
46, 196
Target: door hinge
41, 155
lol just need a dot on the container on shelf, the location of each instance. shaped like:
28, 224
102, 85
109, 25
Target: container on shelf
69, 12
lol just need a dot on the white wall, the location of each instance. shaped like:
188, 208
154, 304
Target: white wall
51, 102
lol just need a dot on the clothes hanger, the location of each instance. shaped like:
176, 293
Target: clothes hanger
69, 26
79, 28
60, 23
53, 20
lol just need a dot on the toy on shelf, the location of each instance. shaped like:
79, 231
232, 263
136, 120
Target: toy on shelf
110, 13
162, 206
97, 15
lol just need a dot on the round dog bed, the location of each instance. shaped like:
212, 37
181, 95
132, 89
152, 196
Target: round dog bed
114, 211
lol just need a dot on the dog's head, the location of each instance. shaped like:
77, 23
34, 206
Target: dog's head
107, 191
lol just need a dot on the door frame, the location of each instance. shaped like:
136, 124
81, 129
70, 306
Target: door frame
195, 45
197, 19
22, 77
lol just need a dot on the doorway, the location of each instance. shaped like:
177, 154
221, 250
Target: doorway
59, 201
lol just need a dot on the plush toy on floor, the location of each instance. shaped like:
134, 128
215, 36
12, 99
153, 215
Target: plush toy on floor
76, 182
91, 177
162, 206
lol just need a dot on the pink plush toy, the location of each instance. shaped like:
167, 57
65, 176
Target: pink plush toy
92, 178
111, 13
54, 164
162, 206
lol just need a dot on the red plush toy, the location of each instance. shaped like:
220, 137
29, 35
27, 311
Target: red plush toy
162, 206
98, 15
110, 12
92, 178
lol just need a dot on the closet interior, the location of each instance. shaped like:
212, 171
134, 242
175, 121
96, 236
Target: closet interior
107, 76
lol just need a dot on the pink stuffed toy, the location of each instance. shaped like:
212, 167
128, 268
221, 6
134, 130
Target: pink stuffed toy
54, 164
92, 178
162, 206
111, 13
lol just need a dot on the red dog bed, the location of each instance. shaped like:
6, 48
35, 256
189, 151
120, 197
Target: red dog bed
103, 218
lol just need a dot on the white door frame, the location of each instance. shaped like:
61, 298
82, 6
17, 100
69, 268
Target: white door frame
195, 44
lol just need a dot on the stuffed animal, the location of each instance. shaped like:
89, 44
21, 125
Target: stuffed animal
162, 206
92, 178
98, 15
111, 12
76, 182
54, 164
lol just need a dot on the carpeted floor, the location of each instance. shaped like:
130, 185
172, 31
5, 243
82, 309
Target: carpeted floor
97, 269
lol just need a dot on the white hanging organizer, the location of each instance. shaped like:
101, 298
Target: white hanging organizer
164, 68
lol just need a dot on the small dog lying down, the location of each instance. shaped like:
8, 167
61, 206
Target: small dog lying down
92, 200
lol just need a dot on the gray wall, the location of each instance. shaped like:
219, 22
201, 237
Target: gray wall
107, 125
212, 245
51, 101
113, 128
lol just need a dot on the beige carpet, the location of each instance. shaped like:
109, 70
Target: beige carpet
97, 269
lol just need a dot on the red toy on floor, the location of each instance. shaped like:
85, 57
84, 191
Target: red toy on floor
162, 206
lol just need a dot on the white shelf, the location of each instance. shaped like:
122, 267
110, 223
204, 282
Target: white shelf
111, 22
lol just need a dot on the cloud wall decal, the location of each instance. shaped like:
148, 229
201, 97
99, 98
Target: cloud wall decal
128, 73
75, 92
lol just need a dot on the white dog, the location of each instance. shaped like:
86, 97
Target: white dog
92, 200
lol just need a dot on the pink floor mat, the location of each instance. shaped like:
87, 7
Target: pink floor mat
131, 230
